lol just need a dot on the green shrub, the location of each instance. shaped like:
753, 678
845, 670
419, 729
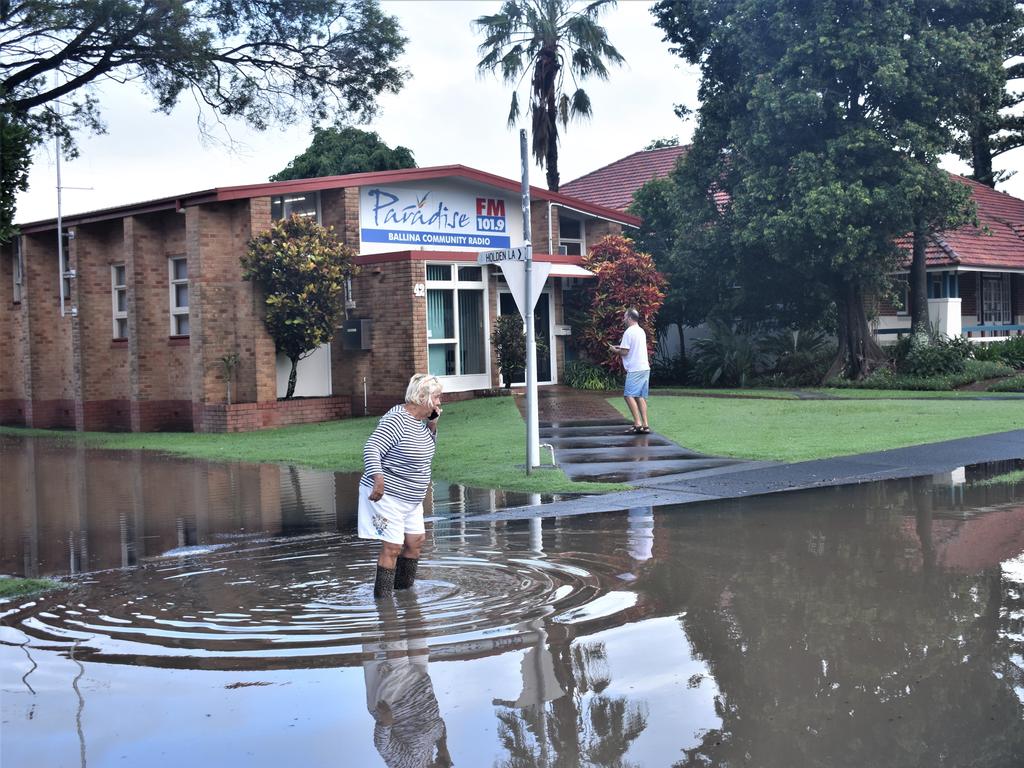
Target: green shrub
1012, 384
886, 378
509, 341
1010, 351
580, 374
727, 358
671, 371
802, 358
939, 356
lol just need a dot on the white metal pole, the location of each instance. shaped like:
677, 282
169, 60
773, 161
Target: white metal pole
532, 422
60, 219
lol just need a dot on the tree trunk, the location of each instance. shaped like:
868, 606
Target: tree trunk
858, 351
919, 279
981, 156
551, 161
292, 377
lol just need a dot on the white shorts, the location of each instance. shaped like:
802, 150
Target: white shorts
389, 519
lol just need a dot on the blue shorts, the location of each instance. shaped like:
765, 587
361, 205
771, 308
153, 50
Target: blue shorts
637, 384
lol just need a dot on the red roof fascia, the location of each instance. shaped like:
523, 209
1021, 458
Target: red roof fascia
224, 194
175, 203
417, 174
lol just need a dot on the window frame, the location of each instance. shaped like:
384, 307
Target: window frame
176, 311
454, 284
566, 241
115, 290
17, 272
316, 198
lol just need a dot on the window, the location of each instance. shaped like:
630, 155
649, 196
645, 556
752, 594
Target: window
456, 338
119, 300
570, 236
306, 204
901, 294
16, 267
65, 262
179, 296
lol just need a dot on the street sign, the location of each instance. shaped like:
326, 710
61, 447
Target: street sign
522, 253
515, 276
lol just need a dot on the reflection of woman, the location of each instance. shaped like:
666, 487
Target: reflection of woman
396, 475
408, 729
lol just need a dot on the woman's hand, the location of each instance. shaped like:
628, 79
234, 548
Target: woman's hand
378, 488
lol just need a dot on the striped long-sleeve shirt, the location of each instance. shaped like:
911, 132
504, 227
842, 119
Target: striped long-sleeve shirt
401, 448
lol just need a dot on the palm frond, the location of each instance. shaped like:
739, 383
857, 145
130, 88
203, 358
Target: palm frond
581, 108
513, 113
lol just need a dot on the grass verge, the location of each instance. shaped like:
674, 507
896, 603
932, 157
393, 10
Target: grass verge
1007, 478
482, 443
20, 587
788, 430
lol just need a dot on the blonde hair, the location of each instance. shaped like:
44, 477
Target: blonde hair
422, 386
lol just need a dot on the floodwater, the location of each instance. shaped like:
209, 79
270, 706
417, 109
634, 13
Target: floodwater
221, 614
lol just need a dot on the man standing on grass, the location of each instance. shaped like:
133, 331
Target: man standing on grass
633, 350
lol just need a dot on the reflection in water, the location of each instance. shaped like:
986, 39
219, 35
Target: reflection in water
408, 729
881, 624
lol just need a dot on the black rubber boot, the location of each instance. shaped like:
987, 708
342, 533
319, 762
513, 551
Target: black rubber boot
384, 585
405, 572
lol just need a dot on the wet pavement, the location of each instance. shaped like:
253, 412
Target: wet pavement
598, 450
221, 614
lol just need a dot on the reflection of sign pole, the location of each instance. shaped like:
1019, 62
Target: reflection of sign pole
532, 423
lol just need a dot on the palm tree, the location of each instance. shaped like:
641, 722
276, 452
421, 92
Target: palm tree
548, 37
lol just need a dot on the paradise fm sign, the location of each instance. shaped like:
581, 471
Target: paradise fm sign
436, 218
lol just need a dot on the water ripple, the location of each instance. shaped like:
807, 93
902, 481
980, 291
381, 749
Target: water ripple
258, 604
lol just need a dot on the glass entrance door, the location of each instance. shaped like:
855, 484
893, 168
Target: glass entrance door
542, 330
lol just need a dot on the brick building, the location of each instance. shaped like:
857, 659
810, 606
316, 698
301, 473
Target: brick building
975, 273
129, 332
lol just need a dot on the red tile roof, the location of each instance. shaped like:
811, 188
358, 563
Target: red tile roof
998, 243
613, 185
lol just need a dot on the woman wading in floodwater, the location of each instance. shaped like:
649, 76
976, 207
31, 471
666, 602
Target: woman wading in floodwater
396, 475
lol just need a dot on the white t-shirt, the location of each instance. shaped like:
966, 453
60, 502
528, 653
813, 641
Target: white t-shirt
635, 340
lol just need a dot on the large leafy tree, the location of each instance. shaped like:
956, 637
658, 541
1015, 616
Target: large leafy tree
545, 39
261, 61
804, 163
302, 268
996, 125
338, 149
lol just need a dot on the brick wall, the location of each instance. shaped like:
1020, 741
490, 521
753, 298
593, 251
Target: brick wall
969, 300
47, 342
384, 292
12, 341
102, 366
159, 366
245, 417
227, 311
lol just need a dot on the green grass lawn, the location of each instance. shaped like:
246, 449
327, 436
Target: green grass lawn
482, 443
907, 394
798, 430
774, 394
21, 587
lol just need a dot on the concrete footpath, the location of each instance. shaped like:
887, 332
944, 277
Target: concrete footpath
741, 479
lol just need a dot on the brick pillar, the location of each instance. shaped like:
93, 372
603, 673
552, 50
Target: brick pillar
225, 312
49, 366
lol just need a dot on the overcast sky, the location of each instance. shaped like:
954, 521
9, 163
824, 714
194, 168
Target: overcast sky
445, 114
